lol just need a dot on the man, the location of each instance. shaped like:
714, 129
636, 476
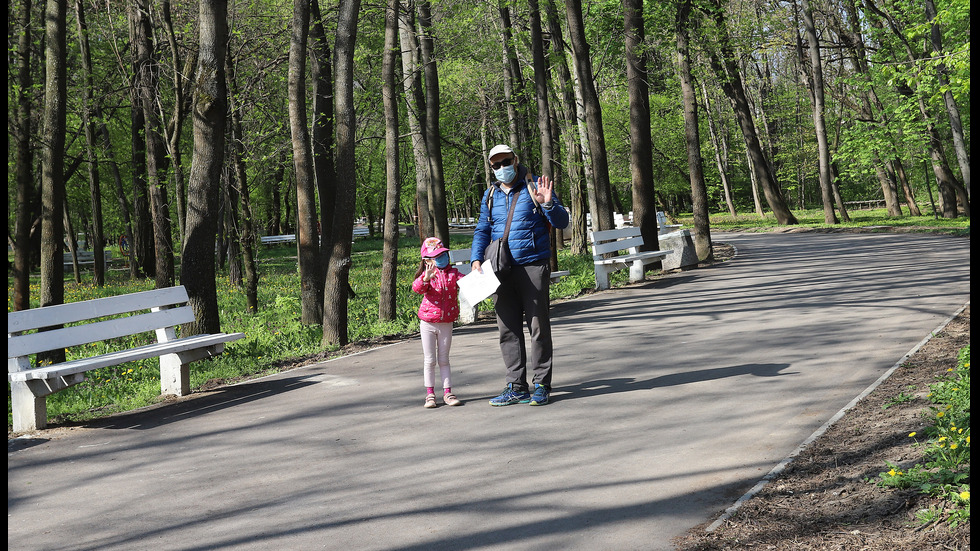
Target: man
523, 293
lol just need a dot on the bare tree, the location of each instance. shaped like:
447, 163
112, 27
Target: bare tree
197, 266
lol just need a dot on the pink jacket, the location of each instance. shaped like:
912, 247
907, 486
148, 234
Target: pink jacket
440, 296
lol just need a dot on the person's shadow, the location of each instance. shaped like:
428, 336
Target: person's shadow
598, 387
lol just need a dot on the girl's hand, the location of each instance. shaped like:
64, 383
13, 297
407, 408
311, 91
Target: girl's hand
430, 270
544, 190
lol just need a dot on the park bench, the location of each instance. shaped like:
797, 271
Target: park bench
159, 311
607, 244
663, 226
85, 258
361, 232
277, 239
460, 259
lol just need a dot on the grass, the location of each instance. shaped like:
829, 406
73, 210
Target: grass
274, 334
814, 218
945, 470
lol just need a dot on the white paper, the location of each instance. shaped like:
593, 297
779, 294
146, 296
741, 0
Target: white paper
476, 286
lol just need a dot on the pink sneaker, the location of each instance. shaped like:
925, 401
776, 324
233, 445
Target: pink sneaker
430, 401
451, 399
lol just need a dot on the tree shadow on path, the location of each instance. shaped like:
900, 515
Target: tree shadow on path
599, 387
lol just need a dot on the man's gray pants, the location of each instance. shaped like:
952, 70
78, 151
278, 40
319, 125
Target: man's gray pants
523, 298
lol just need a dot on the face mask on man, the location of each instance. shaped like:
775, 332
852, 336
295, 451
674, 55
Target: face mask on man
505, 174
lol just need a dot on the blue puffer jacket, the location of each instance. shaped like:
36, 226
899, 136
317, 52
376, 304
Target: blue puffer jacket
529, 240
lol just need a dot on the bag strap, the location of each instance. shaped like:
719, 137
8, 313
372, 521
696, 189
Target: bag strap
510, 216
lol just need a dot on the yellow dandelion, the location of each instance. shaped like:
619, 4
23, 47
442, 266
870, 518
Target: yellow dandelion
953, 446
941, 414
911, 434
942, 439
892, 472
965, 496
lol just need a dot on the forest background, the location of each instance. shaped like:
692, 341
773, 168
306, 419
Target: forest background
188, 129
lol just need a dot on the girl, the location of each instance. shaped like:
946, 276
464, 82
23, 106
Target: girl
437, 282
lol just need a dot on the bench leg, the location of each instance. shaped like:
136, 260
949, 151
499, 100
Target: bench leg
467, 313
602, 277
175, 377
30, 412
636, 271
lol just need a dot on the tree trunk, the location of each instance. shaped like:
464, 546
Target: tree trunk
513, 81
177, 122
951, 192
323, 167
726, 68
52, 289
23, 159
721, 152
141, 250
415, 101
541, 92
387, 306
433, 135
903, 182
98, 239
602, 217
197, 268
147, 85
819, 124
641, 142
337, 284
695, 165
246, 237
955, 124
307, 238
573, 157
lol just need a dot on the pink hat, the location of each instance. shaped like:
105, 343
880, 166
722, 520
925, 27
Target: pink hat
432, 247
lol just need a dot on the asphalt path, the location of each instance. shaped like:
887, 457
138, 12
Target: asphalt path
672, 398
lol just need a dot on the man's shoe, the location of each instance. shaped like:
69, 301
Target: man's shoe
540, 396
511, 395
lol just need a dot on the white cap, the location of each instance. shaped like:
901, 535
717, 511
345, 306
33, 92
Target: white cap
498, 149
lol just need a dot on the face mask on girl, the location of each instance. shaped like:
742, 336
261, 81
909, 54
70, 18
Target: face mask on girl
505, 174
442, 260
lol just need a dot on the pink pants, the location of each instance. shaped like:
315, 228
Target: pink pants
437, 339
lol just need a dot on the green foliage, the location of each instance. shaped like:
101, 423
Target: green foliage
945, 443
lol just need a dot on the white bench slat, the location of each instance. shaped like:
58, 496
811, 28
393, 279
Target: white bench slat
631, 257
97, 331
629, 239
123, 356
36, 318
158, 311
